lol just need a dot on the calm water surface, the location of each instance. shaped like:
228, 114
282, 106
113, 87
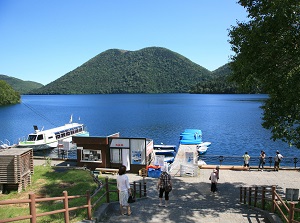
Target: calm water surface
231, 122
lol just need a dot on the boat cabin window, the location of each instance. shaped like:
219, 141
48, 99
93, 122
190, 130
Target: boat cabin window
40, 137
91, 155
31, 138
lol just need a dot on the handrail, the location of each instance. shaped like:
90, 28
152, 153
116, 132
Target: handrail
277, 201
287, 162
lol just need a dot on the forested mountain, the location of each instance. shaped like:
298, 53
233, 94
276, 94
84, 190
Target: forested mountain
220, 84
8, 95
23, 87
149, 70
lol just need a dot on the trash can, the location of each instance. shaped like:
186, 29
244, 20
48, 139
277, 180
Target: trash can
154, 173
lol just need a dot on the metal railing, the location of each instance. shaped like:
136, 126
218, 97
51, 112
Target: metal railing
254, 160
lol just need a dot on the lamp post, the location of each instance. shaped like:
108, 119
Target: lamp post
295, 161
270, 161
221, 158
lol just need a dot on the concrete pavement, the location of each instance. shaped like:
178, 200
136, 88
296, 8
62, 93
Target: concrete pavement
191, 199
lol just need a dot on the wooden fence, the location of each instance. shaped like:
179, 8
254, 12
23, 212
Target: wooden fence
138, 189
261, 196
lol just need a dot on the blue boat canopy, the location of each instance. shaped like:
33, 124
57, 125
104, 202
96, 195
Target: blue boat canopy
191, 137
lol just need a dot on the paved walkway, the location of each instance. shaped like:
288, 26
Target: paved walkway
191, 199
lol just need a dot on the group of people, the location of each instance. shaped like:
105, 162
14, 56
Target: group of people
262, 160
163, 186
164, 181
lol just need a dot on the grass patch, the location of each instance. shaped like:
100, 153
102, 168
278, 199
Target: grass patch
51, 182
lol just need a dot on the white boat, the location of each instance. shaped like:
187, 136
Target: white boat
46, 139
168, 151
165, 147
202, 147
6, 144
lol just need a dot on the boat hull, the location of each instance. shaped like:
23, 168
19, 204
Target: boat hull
52, 138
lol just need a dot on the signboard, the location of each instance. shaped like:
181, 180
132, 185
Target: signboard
189, 157
121, 143
136, 157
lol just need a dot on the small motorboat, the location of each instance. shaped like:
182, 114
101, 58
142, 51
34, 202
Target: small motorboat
165, 147
202, 147
168, 151
201, 150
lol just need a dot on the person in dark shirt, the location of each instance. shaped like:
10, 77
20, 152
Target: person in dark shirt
163, 181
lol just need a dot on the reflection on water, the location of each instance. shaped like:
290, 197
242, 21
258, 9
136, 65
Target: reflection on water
232, 123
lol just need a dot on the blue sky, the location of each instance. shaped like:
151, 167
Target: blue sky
42, 40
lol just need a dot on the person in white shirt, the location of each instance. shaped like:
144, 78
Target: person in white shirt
214, 179
246, 159
123, 189
277, 160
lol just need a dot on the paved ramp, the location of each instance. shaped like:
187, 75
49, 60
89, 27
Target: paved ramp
191, 199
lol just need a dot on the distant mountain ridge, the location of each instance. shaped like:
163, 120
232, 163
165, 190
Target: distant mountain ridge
8, 95
23, 87
149, 70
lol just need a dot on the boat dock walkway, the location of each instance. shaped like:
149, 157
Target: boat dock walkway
186, 155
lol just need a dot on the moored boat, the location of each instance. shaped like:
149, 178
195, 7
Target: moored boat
168, 151
46, 139
194, 137
165, 147
202, 147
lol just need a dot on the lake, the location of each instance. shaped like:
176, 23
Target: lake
232, 123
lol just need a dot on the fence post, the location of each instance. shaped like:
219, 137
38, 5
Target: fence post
66, 206
291, 212
241, 194
255, 196
273, 199
250, 193
89, 203
140, 189
145, 188
134, 188
245, 194
107, 189
32, 208
263, 196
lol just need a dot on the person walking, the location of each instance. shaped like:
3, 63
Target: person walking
164, 181
213, 179
123, 190
277, 159
218, 172
246, 160
262, 160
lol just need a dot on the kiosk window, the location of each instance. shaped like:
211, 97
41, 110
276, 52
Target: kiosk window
91, 155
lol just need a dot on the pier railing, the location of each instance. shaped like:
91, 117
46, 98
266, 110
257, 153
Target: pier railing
291, 162
267, 198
